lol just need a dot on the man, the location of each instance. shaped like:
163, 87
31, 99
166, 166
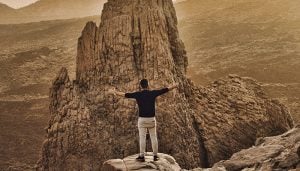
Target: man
146, 103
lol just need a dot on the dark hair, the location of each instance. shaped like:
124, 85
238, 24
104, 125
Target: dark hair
144, 83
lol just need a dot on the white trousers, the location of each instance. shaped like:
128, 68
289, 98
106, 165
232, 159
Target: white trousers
149, 124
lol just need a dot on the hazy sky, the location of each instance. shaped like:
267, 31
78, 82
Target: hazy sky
17, 3
22, 3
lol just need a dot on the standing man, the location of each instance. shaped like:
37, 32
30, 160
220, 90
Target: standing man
146, 102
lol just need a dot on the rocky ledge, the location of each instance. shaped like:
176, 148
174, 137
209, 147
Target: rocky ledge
277, 153
165, 162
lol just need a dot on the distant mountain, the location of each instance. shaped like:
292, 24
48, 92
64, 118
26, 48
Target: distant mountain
44, 10
5, 8
6, 12
51, 10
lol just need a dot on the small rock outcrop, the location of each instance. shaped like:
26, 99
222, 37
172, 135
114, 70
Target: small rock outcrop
280, 153
198, 126
165, 163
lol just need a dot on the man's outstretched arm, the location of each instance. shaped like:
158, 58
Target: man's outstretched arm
165, 90
122, 94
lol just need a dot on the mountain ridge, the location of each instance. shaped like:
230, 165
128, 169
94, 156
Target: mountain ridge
44, 10
5, 7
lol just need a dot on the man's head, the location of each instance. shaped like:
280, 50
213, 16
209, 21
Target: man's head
144, 83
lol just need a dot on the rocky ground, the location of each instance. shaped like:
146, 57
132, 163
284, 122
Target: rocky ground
21, 124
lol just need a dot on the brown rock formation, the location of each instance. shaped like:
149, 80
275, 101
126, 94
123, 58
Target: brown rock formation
198, 126
232, 113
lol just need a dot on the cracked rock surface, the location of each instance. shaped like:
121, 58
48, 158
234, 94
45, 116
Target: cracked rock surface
165, 162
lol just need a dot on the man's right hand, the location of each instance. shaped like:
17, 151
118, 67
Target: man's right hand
176, 85
115, 92
112, 91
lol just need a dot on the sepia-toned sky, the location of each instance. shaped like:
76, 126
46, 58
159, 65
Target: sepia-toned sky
17, 3
22, 3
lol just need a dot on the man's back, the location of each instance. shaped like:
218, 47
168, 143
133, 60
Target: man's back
146, 100
147, 121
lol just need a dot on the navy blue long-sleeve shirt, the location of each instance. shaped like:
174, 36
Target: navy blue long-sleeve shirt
146, 100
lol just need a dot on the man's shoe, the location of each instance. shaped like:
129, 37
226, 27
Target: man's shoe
155, 158
140, 159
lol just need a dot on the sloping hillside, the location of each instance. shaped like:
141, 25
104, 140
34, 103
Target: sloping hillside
6, 13
52, 9
30, 57
5, 9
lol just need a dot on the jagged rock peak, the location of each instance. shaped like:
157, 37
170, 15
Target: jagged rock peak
135, 37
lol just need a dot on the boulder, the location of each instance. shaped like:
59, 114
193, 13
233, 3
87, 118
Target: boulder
165, 163
269, 154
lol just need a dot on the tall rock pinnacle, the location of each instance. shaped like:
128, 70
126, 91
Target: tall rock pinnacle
139, 39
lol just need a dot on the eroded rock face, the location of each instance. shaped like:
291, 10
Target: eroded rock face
198, 126
231, 113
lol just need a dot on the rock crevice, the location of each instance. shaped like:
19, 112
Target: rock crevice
202, 148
